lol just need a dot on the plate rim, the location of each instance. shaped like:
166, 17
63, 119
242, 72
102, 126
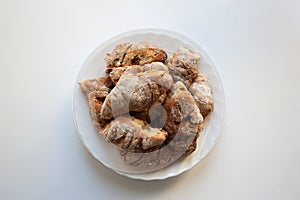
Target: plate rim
167, 32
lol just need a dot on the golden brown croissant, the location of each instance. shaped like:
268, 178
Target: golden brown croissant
116, 57
180, 105
150, 160
184, 119
116, 73
183, 144
183, 65
136, 92
95, 91
134, 135
134, 54
201, 90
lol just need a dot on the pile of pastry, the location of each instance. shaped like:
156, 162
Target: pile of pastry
150, 107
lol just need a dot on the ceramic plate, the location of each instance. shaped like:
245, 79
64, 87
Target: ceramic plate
105, 152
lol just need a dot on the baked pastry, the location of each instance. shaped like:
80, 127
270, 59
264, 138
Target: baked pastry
135, 69
183, 65
116, 57
156, 115
153, 113
202, 92
185, 140
183, 144
95, 91
134, 54
117, 72
92, 85
134, 135
150, 160
136, 92
180, 106
184, 120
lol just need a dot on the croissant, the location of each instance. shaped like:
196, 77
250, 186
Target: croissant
184, 120
180, 105
202, 92
95, 91
92, 85
116, 57
116, 73
134, 135
183, 124
151, 160
134, 54
183, 144
183, 65
136, 92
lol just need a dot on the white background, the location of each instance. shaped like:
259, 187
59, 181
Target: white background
255, 46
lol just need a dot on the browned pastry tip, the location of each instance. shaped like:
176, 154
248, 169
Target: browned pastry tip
201, 90
183, 65
116, 57
92, 85
95, 92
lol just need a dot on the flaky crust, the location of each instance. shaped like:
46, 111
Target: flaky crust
116, 57
134, 135
92, 85
136, 92
143, 53
134, 54
202, 92
156, 115
184, 120
183, 144
183, 65
179, 106
95, 91
116, 73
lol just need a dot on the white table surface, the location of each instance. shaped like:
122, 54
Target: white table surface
255, 45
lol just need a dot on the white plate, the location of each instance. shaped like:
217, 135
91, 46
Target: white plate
104, 152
